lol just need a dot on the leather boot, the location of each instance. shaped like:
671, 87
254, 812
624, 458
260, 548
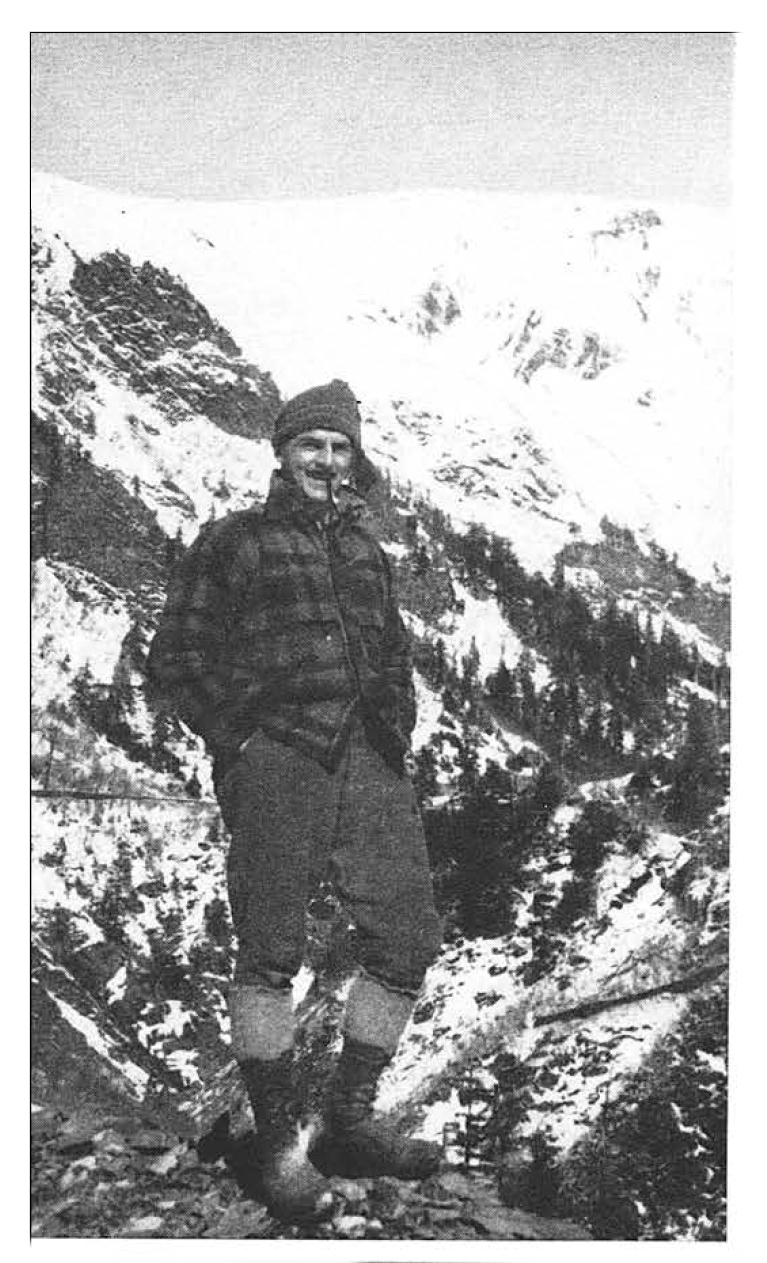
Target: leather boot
358, 1142
294, 1190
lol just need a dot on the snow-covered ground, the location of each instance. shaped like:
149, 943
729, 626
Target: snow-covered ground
72, 632
95, 1038
475, 1004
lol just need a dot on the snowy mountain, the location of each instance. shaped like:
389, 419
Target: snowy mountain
538, 364
545, 387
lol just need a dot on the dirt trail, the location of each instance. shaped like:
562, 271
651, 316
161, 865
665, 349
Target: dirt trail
115, 1175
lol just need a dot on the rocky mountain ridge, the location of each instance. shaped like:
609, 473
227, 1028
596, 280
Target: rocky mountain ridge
538, 330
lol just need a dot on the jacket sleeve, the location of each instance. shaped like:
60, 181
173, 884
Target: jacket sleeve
398, 662
184, 663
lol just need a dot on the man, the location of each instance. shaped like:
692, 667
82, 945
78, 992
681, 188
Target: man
281, 643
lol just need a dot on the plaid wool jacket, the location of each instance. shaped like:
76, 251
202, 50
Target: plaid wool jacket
280, 621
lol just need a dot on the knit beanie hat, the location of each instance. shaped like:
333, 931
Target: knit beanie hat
330, 407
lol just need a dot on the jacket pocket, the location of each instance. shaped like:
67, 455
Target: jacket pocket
275, 646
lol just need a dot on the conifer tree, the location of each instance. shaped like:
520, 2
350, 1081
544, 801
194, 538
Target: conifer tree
470, 687
671, 655
421, 562
514, 703
615, 730
574, 706
440, 663
475, 546
697, 776
722, 681
118, 702
593, 732
556, 716
83, 691
193, 785
484, 853
529, 701
647, 665
174, 547
500, 687
468, 762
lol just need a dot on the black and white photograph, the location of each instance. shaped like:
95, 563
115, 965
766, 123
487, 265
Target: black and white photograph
381, 450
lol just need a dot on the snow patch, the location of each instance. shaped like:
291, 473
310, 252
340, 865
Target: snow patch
137, 1078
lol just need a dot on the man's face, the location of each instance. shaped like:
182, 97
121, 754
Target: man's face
309, 458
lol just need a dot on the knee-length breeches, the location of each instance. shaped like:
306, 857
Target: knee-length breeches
291, 821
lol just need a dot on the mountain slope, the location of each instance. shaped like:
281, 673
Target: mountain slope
579, 366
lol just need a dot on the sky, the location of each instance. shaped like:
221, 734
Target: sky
222, 116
